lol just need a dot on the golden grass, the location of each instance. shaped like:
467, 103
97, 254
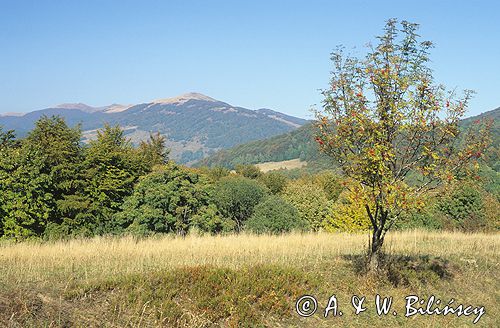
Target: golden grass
99, 257
174, 281
289, 165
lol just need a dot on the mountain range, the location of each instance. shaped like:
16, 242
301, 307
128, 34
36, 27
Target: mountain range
194, 124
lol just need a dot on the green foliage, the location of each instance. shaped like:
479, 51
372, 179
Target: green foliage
7, 139
112, 166
427, 218
163, 201
209, 219
52, 186
25, 199
275, 215
248, 171
236, 198
490, 180
274, 181
310, 200
153, 151
217, 173
330, 182
41, 173
63, 157
464, 207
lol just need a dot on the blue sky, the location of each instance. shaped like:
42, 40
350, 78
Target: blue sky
255, 54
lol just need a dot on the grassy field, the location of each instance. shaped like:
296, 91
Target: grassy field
244, 280
289, 165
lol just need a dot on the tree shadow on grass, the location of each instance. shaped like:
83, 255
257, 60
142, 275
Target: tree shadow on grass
406, 270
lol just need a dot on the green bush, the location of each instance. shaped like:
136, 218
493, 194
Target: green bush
427, 218
209, 219
274, 181
248, 171
275, 215
330, 182
464, 208
163, 201
236, 198
310, 200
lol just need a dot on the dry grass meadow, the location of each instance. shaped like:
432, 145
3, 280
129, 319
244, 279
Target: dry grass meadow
283, 165
241, 280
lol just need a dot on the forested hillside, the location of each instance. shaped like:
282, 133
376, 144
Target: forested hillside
295, 144
300, 144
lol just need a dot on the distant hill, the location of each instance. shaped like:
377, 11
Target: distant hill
195, 125
300, 144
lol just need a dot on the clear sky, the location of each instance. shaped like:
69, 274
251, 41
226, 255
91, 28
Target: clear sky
255, 54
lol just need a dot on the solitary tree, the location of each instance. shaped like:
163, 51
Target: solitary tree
392, 130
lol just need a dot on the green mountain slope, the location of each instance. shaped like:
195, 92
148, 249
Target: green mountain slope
300, 144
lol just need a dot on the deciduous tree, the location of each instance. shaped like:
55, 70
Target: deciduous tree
384, 118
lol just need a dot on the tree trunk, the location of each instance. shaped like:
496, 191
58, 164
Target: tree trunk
375, 250
378, 219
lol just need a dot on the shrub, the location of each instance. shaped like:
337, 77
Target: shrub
423, 215
427, 218
275, 215
463, 207
210, 220
274, 181
330, 182
236, 198
248, 171
310, 200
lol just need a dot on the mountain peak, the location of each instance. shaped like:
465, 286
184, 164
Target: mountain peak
80, 106
184, 98
115, 108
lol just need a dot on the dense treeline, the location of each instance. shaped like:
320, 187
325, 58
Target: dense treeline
54, 186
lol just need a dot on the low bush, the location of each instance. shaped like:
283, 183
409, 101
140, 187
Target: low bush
275, 215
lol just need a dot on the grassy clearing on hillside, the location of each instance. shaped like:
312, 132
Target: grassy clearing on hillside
286, 165
241, 280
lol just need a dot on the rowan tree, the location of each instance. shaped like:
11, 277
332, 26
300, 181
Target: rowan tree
384, 119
